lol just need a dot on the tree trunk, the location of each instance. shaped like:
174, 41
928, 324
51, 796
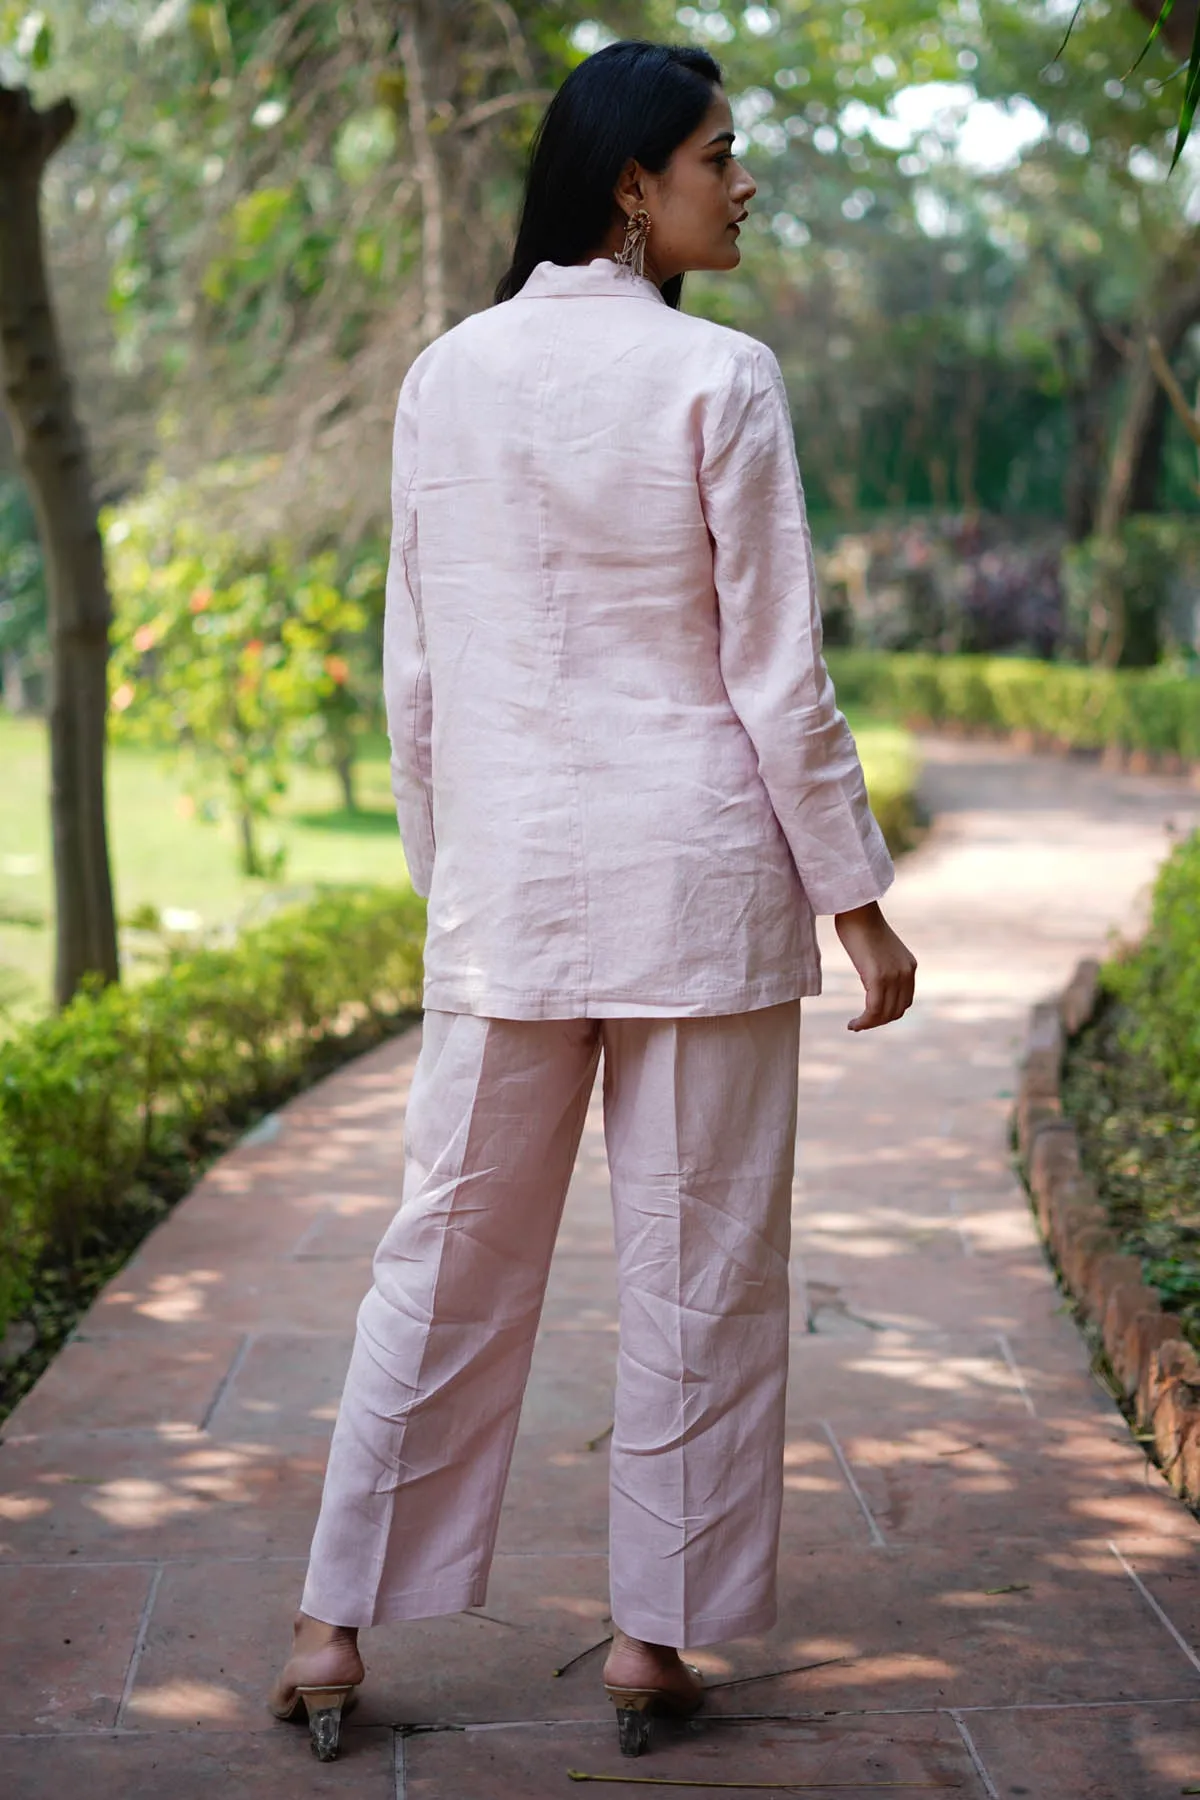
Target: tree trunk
1087, 410
966, 434
1141, 398
427, 168
913, 436
1148, 473
344, 765
250, 862
53, 458
1117, 492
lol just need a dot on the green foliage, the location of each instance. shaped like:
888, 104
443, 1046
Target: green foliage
1133, 1088
241, 184
1160, 981
890, 766
970, 583
243, 655
268, 231
1059, 704
128, 1082
1132, 598
32, 34
22, 587
1140, 1140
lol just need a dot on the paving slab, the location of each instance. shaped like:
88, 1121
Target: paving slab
160, 1379
532, 1762
983, 1623
984, 1583
1092, 1753
217, 1626
151, 1766
137, 1497
285, 1385
68, 1636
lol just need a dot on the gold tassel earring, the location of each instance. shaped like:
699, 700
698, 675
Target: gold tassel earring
632, 254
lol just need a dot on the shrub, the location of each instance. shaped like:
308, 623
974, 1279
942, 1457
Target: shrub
1160, 981
944, 583
1133, 599
890, 764
127, 1082
242, 653
953, 584
1156, 710
1134, 1090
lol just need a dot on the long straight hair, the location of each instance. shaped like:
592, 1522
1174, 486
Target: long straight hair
631, 101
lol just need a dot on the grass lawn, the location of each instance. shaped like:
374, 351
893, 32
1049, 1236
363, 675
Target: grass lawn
166, 859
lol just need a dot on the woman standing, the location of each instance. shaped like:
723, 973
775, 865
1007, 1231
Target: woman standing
624, 785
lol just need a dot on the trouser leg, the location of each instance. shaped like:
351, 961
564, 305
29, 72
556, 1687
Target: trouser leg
700, 1120
424, 1434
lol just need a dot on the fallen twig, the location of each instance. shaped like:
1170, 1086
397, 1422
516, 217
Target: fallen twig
770, 1674
773, 1787
1014, 1587
581, 1655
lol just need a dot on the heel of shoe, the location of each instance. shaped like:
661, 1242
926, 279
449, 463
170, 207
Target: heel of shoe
634, 1707
324, 1707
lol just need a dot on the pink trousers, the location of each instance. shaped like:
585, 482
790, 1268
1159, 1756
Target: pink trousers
700, 1122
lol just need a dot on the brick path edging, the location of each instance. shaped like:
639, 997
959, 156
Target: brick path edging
1157, 1370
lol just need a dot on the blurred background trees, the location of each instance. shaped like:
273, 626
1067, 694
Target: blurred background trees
282, 203
964, 238
957, 244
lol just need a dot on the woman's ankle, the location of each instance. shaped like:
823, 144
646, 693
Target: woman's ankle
315, 1633
624, 1644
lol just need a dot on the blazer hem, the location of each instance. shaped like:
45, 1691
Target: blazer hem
567, 1003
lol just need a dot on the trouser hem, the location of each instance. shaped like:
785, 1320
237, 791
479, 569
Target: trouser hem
709, 1628
415, 1603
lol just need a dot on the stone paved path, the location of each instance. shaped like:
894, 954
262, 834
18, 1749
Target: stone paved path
1005, 1598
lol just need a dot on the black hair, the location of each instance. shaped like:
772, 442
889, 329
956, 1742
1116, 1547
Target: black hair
630, 101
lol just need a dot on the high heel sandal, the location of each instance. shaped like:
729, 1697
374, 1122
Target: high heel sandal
325, 1707
637, 1706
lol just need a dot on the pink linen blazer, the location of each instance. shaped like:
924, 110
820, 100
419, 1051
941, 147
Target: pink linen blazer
620, 774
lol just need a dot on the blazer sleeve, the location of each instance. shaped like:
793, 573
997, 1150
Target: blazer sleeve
770, 639
408, 698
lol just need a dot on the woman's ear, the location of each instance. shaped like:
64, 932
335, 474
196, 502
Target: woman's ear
629, 192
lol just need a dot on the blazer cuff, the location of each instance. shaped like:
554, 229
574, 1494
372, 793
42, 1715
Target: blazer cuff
846, 891
417, 841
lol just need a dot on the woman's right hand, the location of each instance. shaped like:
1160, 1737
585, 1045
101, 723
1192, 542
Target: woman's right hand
886, 966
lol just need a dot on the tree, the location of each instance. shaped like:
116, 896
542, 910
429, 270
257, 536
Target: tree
52, 454
240, 653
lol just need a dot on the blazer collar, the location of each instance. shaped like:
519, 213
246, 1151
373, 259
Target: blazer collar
584, 281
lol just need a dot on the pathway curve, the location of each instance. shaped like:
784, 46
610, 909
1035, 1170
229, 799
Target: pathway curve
1003, 1596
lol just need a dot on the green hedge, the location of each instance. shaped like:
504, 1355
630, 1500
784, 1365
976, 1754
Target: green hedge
1133, 1089
891, 765
98, 1102
1153, 710
1159, 981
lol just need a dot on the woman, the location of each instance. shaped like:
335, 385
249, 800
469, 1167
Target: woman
623, 783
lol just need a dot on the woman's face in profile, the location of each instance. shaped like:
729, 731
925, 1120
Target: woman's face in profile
698, 200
